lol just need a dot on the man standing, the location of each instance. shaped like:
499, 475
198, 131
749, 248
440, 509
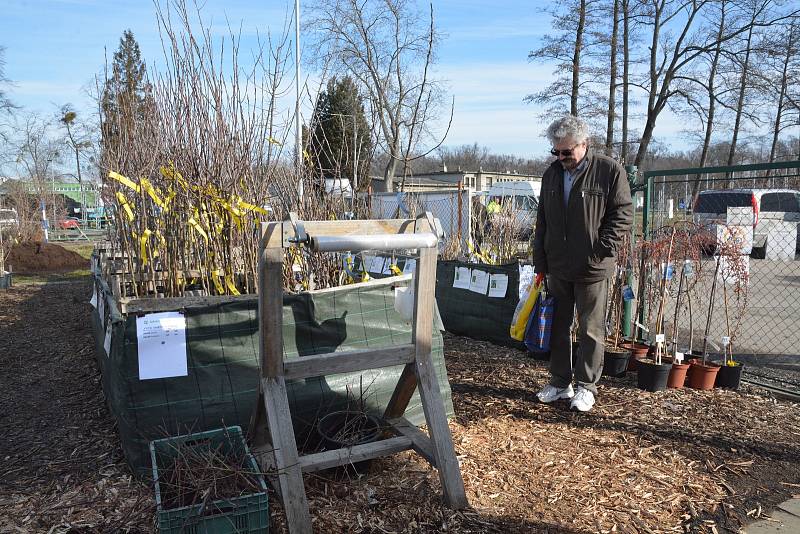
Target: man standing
585, 209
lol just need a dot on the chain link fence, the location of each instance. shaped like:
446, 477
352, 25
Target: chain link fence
757, 207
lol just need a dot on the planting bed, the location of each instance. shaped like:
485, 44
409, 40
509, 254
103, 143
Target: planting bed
646, 462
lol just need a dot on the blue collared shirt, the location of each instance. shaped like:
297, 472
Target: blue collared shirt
569, 177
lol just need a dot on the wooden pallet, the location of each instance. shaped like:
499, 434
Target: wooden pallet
271, 429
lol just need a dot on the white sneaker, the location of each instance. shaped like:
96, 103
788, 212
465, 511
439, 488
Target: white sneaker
552, 393
583, 400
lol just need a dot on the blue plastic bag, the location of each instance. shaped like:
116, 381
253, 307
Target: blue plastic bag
540, 323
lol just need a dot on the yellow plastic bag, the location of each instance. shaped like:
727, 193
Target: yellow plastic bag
524, 308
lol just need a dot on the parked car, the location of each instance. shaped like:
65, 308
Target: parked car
768, 206
523, 199
69, 223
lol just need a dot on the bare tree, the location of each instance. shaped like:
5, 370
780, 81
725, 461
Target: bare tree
77, 142
570, 48
782, 51
387, 46
612, 79
670, 57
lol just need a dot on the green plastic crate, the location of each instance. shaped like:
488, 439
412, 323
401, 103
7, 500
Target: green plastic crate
245, 514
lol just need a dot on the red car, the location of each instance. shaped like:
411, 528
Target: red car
69, 223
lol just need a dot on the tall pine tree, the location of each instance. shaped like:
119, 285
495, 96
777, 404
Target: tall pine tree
125, 94
340, 145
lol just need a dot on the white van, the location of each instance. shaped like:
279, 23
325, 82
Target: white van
522, 196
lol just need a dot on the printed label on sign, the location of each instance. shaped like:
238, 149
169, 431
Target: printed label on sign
627, 293
726, 341
668, 272
660, 338
678, 357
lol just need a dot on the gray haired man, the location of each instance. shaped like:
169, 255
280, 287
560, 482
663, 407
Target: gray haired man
585, 209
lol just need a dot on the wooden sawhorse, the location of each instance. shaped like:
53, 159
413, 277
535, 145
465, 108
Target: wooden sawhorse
271, 425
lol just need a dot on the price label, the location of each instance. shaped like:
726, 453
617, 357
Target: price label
660, 338
627, 293
726, 340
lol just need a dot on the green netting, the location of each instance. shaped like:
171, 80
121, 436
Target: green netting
221, 386
466, 313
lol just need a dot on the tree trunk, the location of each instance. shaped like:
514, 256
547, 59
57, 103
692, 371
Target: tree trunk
612, 85
625, 76
576, 60
776, 129
712, 75
740, 101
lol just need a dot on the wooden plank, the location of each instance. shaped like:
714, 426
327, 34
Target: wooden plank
285, 230
373, 282
270, 310
430, 394
402, 393
289, 474
356, 453
151, 305
348, 362
421, 442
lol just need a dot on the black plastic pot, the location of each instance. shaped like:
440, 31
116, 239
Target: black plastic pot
615, 363
652, 376
347, 428
729, 376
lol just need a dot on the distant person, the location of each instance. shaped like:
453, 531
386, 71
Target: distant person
585, 209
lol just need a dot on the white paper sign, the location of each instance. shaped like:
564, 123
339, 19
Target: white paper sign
101, 307
377, 264
498, 285
660, 338
93, 300
461, 279
479, 282
410, 266
162, 345
678, 357
726, 341
107, 340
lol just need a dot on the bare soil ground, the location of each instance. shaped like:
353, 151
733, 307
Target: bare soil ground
28, 256
673, 461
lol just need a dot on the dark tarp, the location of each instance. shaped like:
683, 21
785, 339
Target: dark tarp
223, 364
466, 313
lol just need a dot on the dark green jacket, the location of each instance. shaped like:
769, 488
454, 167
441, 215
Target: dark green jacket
579, 244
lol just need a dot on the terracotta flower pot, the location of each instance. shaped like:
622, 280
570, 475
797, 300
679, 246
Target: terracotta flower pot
677, 375
702, 376
638, 352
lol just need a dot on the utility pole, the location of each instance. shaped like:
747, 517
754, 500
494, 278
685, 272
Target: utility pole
298, 131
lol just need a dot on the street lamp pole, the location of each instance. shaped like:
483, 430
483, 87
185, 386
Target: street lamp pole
298, 131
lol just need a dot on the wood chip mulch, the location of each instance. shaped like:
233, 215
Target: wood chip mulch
673, 461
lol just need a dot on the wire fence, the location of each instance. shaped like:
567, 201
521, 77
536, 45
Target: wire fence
757, 207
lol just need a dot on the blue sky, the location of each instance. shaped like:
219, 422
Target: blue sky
54, 48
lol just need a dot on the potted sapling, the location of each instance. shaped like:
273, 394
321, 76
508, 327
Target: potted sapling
637, 348
733, 272
615, 359
653, 373
689, 246
702, 373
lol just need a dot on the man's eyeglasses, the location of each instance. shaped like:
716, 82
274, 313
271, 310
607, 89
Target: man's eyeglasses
565, 153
